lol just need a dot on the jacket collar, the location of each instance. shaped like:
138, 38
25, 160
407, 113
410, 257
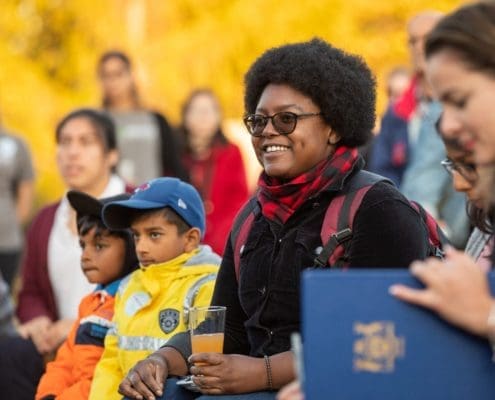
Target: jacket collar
110, 288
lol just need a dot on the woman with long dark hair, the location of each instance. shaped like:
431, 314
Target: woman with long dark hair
145, 140
215, 166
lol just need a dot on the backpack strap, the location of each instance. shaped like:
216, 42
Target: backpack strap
336, 230
436, 238
240, 230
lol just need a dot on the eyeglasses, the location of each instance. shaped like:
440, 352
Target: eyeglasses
283, 122
467, 171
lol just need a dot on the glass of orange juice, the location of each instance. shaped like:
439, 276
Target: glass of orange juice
207, 325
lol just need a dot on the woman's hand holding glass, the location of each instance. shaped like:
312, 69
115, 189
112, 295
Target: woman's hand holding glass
215, 373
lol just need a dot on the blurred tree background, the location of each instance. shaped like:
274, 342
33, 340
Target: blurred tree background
49, 49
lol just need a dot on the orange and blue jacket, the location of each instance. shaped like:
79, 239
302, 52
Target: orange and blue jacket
70, 375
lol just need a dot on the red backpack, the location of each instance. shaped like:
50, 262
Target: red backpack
336, 230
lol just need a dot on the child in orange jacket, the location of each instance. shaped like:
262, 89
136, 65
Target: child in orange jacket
107, 256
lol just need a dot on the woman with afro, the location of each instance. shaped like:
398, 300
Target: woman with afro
308, 107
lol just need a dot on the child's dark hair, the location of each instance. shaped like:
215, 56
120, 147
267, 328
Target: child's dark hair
86, 223
168, 213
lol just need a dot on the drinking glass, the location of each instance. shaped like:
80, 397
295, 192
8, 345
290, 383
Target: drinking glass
206, 325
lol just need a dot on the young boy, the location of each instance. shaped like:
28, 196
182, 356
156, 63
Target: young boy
107, 256
167, 219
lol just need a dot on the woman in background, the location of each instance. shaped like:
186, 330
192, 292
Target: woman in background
146, 144
215, 166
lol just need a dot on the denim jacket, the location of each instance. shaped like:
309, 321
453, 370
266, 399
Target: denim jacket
426, 182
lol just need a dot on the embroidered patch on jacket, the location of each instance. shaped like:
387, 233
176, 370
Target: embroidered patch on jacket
168, 319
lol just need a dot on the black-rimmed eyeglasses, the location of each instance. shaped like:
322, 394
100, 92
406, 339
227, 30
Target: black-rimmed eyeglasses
466, 170
283, 122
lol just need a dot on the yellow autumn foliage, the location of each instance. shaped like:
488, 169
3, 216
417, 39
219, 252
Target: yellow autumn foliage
49, 48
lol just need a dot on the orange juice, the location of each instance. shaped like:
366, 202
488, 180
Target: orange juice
207, 343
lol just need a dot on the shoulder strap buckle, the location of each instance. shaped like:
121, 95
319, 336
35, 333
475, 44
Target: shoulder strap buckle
343, 236
336, 240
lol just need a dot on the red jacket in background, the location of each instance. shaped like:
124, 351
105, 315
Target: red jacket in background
222, 183
36, 297
69, 376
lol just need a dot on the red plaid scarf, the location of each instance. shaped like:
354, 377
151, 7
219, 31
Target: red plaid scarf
279, 200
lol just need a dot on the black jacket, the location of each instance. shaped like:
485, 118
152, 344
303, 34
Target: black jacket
263, 308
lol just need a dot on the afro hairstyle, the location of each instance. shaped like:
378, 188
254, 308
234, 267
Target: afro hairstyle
341, 84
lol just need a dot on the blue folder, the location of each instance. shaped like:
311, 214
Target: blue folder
362, 343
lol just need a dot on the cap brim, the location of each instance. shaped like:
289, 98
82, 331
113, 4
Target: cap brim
117, 215
84, 204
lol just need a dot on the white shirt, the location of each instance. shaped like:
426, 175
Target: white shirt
68, 282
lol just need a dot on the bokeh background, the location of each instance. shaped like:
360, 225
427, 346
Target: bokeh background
49, 49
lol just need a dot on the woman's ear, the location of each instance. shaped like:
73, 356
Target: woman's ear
333, 137
192, 238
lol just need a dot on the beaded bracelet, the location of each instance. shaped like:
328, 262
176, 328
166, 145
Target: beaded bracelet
268, 373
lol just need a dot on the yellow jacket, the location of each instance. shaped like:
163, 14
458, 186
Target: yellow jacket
149, 309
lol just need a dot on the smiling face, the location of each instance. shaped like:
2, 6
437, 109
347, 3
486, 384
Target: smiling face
157, 240
82, 160
102, 257
467, 97
287, 156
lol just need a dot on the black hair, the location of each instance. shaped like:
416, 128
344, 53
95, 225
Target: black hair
168, 213
119, 55
86, 223
470, 32
115, 54
341, 84
480, 218
219, 136
102, 123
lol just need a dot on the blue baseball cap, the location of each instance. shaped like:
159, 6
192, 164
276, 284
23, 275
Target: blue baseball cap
180, 196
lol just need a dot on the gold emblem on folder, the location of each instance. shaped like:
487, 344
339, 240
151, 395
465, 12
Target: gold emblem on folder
377, 347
